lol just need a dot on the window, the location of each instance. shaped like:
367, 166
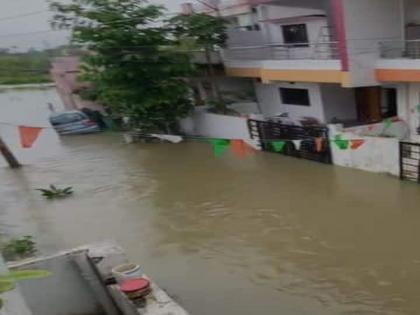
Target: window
295, 34
67, 118
295, 97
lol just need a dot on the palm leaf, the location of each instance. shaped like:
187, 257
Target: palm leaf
6, 286
21, 275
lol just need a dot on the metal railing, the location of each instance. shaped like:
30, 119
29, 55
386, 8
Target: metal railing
410, 161
317, 51
395, 49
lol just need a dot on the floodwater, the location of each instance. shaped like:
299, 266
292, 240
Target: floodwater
264, 235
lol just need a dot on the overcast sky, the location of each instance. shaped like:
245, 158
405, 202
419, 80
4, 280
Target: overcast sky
13, 30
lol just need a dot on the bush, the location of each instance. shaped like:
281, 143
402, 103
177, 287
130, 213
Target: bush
19, 248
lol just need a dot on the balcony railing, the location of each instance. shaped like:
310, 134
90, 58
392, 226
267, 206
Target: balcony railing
409, 49
317, 51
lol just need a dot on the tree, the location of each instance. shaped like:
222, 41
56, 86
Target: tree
132, 68
207, 33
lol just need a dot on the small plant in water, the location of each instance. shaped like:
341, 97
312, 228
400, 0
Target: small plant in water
19, 248
7, 281
56, 193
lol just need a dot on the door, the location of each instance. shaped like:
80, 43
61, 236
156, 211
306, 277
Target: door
368, 100
389, 106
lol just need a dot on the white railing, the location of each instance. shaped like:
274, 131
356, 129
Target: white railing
394, 49
324, 51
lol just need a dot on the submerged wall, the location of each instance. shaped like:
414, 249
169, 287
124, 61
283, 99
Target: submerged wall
202, 123
377, 154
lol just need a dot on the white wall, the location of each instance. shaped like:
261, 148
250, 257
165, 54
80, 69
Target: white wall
338, 102
268, 96
367, 23
202, 123
280, 12
380, 155
398, 129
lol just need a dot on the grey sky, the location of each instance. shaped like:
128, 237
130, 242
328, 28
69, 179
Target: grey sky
39, 22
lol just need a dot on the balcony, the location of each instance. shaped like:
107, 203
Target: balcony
281, 62
399, 61
409, 49
314, 51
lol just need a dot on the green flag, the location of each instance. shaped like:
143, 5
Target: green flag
342, 144
278, 146
219, 146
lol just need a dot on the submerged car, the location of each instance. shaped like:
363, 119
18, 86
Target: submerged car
73, 123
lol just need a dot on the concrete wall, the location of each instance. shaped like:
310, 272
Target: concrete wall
269, 98
202, 123
380, 155
398, 129
246, 108
368, 22
279, 12
338, 102
65, 292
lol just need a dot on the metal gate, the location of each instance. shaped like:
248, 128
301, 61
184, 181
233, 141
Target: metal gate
265, 132
410, 161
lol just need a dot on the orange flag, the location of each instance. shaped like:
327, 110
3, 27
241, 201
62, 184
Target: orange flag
237, 148
28, 136
318, 144
240, 149
355, 144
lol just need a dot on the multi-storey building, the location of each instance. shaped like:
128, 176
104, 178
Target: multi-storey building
333, 61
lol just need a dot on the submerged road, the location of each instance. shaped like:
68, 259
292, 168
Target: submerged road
264, 235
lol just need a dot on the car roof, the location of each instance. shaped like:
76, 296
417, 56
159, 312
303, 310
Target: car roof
54, 115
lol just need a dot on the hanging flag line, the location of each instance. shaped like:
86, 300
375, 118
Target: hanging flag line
28, 135
23, 125
241, 149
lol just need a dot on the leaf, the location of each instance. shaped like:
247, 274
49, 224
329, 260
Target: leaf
45, 191
21, 275
6, 286
68, 190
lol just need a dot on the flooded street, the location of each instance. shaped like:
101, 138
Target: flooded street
264, 235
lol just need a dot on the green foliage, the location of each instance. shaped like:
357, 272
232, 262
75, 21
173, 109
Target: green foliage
133, 68
25, 68
206, 33
19, 248
203, 30
7, 281
56, 193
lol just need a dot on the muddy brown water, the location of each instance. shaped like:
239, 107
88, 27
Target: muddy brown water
264, 235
